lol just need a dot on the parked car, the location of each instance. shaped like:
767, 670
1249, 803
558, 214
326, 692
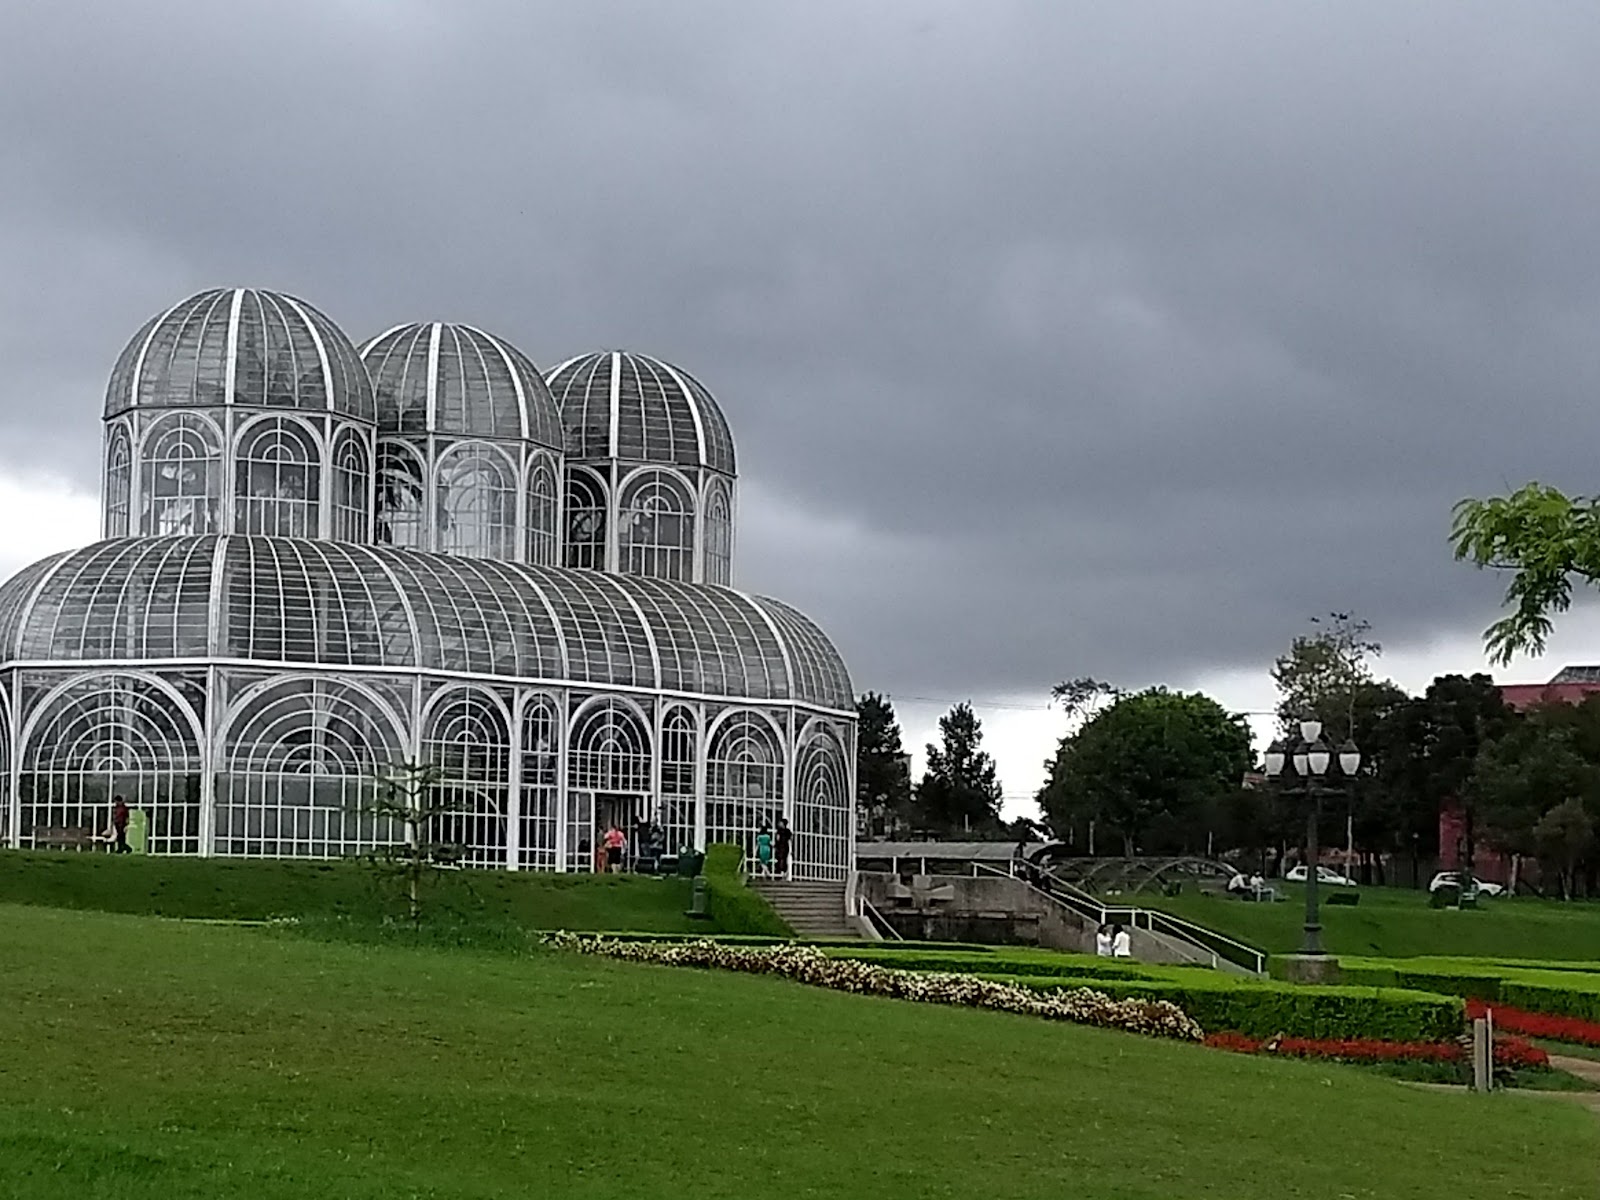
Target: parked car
1325, 875
1480, 887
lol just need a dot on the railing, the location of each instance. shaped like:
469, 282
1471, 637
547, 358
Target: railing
1209, 942
878, 921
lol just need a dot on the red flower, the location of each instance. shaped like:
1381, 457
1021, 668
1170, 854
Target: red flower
1545, 1025
1509, 1051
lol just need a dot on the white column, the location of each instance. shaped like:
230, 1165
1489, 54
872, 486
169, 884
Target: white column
210, 761
563, 800
702, 742
514, 797
14, 771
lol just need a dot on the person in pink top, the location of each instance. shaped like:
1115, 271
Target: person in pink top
615, 841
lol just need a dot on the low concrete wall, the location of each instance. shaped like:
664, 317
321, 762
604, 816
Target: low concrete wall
992, 909
995, 910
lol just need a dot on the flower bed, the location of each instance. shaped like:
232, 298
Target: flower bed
1510, 1052
1265, 1009
806, 964
1543, 1025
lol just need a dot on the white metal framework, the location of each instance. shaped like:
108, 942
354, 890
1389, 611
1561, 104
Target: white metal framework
651, 492
305, 581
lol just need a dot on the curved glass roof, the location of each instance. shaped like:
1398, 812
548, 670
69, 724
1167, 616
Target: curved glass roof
293, 600
617, 404
241, 346
454, 379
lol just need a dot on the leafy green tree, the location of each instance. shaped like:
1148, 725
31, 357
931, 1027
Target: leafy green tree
1564, 837
1521, 773
1153, 756
883, 778
958, 793
1546, 540
1323, 674
1449, 724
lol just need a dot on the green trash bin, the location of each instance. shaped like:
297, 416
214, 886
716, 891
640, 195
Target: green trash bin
689, 861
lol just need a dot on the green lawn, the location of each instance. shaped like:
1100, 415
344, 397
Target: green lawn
157, 1060
1397, 923
234, 888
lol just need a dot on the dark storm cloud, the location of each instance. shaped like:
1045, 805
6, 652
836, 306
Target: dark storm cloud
1056, 338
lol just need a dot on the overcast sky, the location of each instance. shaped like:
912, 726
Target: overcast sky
1056, 339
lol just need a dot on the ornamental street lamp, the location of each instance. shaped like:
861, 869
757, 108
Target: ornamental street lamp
1308, 759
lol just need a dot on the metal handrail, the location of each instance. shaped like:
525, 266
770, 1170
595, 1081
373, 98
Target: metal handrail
879, 921
1179, 928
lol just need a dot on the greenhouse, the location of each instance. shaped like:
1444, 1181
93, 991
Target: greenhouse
324, 561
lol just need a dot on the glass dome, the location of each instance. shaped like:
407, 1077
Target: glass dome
335, 604
623, 406
241, 347
455, 379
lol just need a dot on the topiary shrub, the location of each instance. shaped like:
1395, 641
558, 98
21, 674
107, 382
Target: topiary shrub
732, 905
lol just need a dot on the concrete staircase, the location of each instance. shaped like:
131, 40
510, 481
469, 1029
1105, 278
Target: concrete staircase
815, 910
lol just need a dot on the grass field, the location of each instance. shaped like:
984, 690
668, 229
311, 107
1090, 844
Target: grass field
249, 889
157, 1059
1397, 923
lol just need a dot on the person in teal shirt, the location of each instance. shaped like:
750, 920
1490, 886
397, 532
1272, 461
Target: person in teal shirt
764, 850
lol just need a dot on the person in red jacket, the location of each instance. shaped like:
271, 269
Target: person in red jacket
119, 825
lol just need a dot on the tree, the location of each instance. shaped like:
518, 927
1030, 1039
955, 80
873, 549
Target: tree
1546, 540
1322, 674
883, 779
1326, 676
1081, 698
1153, 755
1532, 762
959, 792
408, 795
1564, 836
1450, 723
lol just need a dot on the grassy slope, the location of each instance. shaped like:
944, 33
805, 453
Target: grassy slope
231, 888
1397, 923
151, 1059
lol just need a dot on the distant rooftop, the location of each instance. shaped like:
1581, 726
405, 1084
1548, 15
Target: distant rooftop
1581, 674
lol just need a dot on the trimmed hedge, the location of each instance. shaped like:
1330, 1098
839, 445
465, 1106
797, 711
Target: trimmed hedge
1533, 987
733, 906
1267, 1010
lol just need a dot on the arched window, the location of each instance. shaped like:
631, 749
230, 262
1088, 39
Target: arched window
119, 479
541, 750
402, 492
608, 776
350, 479
744, 781
718, 535
469, 739
586, 521
278, 479
104, 736
655, 535
477, 503
542, 548
822, 809
181, 480
300, 757
679, 747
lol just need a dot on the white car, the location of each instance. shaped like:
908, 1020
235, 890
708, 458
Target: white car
1324, 875
1482, 887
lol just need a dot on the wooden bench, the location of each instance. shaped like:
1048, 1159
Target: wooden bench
64, 837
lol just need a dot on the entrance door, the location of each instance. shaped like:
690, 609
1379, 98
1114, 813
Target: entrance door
627, 811
591, 814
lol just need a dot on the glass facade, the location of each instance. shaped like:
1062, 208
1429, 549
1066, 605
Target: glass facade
320, 562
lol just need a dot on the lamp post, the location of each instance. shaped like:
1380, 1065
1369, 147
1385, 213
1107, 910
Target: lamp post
1308, 759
